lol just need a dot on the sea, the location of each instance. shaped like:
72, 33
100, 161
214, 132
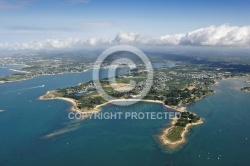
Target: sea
7, 69
35, 132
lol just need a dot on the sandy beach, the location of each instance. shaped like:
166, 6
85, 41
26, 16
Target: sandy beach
176, 108
20, 71
97, 108
73, 103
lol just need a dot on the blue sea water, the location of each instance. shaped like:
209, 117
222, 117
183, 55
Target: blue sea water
222, 140
5, 69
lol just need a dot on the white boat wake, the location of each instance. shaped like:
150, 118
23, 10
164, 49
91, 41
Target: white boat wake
41, 86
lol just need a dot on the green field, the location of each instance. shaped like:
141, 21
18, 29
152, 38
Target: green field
175, 133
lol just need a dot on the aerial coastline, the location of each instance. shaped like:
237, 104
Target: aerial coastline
84, 98
24, 78
174, 144
163, 137
74, 107
70, 100
174, 89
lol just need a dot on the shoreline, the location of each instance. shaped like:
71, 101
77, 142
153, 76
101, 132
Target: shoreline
162, 138
244, 90
4, 82
24, 79
165, 132
20, 71
97, 107
73, 104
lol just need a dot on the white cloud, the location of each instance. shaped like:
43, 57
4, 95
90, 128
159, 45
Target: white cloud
171, 39
224, 35
47, 44
4, 45
57, 44
218, 36
125, 38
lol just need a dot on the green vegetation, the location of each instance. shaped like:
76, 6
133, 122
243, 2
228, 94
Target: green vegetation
14, 77
175, 133
174, 87
186, 118
90, 102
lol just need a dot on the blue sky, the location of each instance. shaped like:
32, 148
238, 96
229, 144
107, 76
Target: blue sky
27, 20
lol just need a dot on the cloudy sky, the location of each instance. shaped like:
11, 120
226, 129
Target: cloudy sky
46, 24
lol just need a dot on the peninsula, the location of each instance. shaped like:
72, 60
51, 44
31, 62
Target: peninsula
175, 134
165, 90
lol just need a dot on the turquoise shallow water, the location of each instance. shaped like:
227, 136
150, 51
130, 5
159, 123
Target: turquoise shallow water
222, 140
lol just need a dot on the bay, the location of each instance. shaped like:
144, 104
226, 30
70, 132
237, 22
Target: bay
222, 140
